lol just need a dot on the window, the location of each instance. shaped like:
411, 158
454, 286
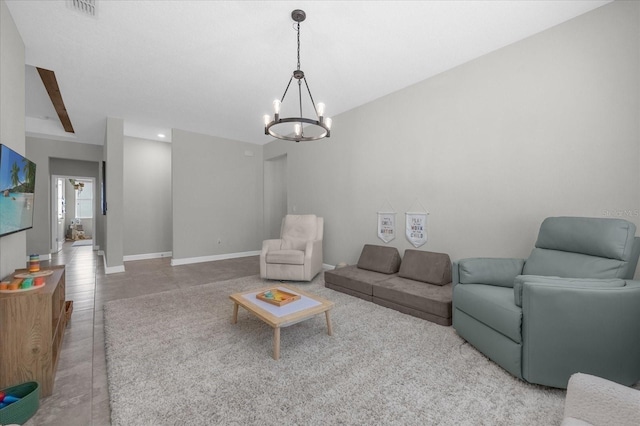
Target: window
84, 199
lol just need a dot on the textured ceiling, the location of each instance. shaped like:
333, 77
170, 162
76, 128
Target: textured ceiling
214, 67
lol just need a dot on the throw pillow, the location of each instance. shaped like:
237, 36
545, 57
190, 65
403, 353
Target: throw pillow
426, 266
381, 259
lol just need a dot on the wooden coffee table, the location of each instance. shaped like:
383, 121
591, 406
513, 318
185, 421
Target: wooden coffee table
281, 316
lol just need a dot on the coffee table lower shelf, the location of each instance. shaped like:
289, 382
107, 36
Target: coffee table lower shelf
277, 317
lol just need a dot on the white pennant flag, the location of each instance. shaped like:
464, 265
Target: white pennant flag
416, 228
386, 226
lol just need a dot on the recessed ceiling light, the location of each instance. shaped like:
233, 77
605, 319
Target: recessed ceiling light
161, 135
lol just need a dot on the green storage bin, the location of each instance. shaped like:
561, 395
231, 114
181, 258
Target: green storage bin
21, 411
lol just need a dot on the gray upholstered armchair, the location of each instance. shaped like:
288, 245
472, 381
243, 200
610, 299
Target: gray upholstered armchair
570, 307
297, 255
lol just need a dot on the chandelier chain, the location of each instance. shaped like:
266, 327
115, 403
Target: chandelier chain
299, 82
298, 45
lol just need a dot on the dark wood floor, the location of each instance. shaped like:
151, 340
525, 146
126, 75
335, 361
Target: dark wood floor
80, 395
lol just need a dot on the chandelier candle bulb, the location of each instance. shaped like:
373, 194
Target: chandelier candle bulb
298, 129
267, 119
276, 107
327, 122
320, 109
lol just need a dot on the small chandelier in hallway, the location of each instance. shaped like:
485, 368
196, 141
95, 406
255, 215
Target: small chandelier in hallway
321, 123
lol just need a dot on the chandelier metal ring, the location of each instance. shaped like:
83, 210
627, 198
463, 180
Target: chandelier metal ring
301, 138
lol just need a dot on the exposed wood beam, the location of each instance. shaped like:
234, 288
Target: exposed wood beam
51, 84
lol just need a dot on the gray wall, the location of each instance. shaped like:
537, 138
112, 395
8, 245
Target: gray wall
114, 230
275, 196
217, 194
75, 168
13, 248
147, 197
61, 158
546, 126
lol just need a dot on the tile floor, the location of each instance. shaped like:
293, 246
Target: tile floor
80, 395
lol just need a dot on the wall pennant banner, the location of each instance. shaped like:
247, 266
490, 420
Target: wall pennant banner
386, 226
416, 228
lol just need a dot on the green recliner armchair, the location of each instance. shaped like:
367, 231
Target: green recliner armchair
570, 307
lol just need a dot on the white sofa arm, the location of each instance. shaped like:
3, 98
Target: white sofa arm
596, 401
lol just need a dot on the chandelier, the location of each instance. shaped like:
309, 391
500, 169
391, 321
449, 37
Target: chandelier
321, 124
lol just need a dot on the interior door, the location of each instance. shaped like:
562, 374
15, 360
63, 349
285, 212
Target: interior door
60, 213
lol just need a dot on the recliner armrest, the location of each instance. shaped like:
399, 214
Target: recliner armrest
566, 329
488, 270
268, 245
313, 258
313, 245
521, 280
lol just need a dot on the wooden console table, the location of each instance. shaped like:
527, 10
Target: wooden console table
32, 325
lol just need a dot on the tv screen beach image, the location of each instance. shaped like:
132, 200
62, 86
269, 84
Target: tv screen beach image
17, 182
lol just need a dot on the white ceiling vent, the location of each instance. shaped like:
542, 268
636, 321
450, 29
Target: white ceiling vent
86, 7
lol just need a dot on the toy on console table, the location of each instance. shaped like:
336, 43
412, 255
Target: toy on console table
24, 281
34, 263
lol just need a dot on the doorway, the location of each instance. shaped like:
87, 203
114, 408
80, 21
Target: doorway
275, 195
73, 210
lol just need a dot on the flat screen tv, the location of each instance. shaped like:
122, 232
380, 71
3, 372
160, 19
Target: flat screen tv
17, 184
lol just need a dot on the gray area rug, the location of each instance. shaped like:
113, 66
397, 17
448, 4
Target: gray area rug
175, 358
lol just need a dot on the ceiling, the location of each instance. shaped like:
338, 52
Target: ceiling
215, 67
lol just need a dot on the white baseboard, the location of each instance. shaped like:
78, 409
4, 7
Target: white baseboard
174, 262
113, 269
110, 269
146, 256
190, 260
326, 266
